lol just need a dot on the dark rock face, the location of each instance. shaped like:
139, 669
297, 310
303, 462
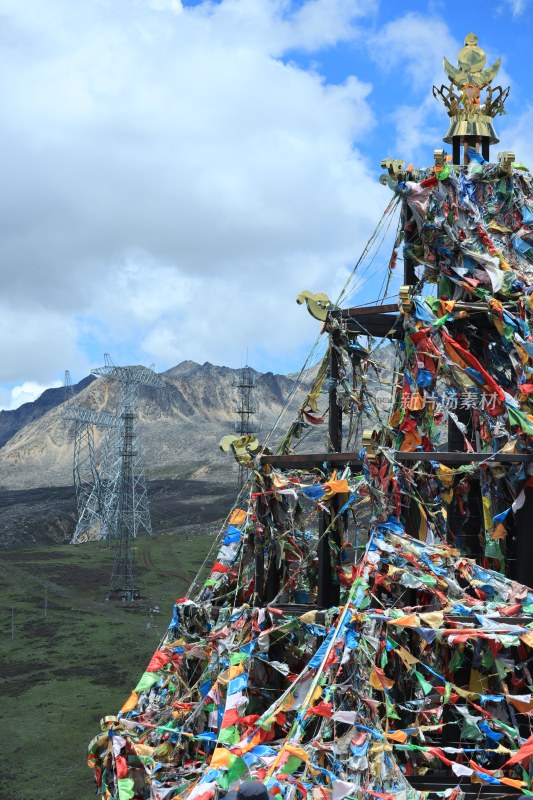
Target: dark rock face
46, 516
37, 516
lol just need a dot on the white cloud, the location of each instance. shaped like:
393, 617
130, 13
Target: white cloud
172, 179
515, 135
25, 393
172, 183
166, 5
516, 7
405, 47
409, 42
37, 341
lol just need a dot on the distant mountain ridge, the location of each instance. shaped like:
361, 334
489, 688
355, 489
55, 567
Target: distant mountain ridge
181, 425
11, 421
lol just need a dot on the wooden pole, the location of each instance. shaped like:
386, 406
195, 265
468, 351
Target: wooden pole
328, 592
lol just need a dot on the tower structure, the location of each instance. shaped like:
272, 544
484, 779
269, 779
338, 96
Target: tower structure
68, 390
87, 474
125, 501
124, 583
86, 470
246, 409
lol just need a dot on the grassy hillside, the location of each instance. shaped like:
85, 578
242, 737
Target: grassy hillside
66, 666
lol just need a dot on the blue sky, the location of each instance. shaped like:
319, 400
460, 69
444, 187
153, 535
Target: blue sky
177, 173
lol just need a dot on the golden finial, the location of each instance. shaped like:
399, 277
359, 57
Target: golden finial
471, 115
471, 56
471, 61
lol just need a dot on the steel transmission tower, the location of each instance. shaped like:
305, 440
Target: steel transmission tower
125, 500
89, 495
245, 384
124, 584
68, 390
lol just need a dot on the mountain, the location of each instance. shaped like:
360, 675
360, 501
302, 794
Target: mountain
181, 425
12, 421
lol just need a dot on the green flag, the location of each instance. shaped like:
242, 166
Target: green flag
146, 682
237, 768
229, 735
125, 788
426, 686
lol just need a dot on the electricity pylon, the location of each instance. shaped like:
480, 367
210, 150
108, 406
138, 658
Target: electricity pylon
89, 495
125, 500
246, 408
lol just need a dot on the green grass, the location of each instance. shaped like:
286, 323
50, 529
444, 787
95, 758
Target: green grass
63, 672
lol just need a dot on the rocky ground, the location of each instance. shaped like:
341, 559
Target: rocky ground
48, 515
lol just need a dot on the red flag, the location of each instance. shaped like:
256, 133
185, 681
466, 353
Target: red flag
321, 710
525, 752
218, 567
158, 660
121, 766
231, 717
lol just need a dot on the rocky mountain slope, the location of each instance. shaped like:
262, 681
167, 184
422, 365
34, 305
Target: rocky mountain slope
181, 426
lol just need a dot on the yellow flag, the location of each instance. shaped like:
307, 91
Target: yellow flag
299, 752
433, 618
406, 656
287, 704
478, 682
380, 682
130, 703
316, 694
409, 621
235, 669
220, 758
237, 517
487, 513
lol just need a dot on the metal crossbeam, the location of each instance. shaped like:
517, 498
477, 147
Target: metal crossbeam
369, 311
138, 375
88, 416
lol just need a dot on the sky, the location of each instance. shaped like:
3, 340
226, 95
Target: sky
175, 173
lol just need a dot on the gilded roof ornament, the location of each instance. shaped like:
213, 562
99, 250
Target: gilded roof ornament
471, 61
470, 113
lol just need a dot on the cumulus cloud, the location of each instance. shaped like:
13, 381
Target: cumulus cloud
409, 42
32, 336
26, 392
405, 47
515, 135
516, 7
174, 178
